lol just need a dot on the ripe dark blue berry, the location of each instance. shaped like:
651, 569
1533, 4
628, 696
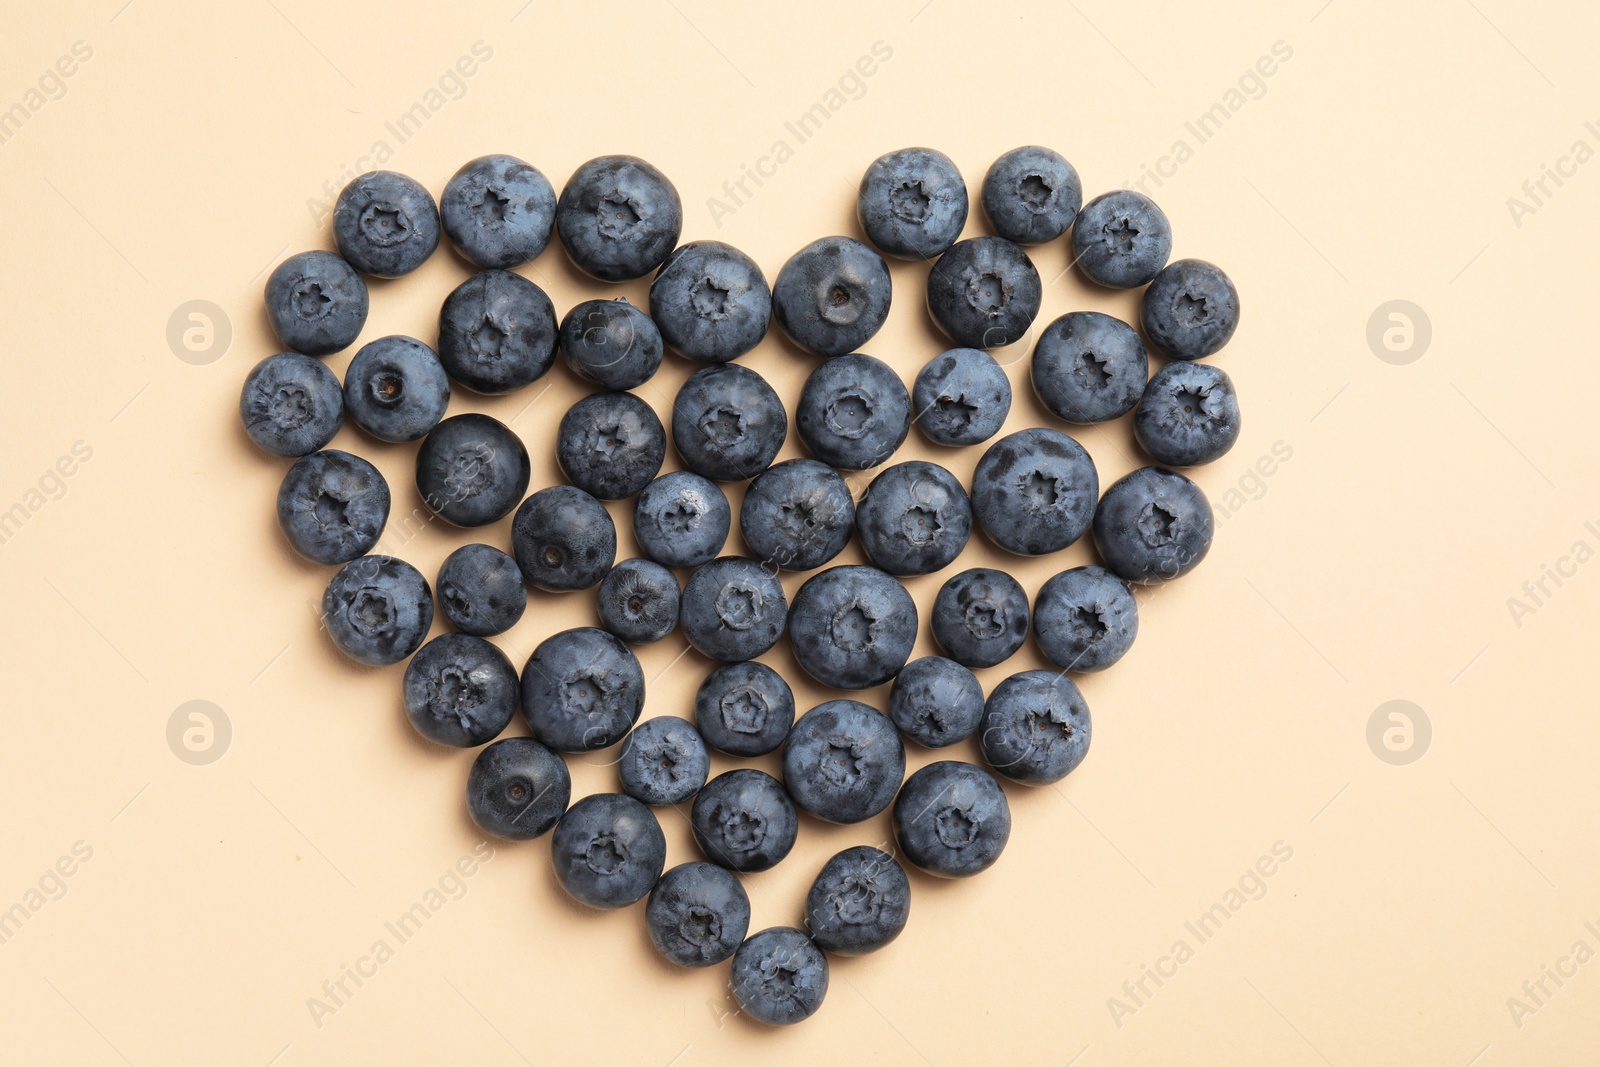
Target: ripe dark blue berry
1089, 367
316, 303
859, 902
832, 296
460, 690
681, 519
1121, 239
1189, 415
843, 761
984, 293
618, 218
481, 591
912, 203
385, 223
733, 609
611, 343
638, 601
744, 821
291, 404
396, 389
472, 470
914, 518
961, 397
698, 914
744, 709
497, 332
779, 976
1190, 310
608, 851
797, 515
980, 617
936, 701
1035, 727
1085, 619
951, 819
663, 761
1153, 525
518, 789
1031, 195
727, 423
332, 506
611, 445
711, 302
582, 689
563, 539
377, 610
854, 412
1034, 491
498, 211
852, 627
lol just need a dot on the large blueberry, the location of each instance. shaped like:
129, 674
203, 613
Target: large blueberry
711, 302
611, 343
1153, 525
664, 761
1121, 239
638, 601
610, 445
291, 404
563, 539
396, 389
952, 819
608, 850
518, 789
727, 423
698, 914
961, 397
980, 617
582, 689
481, 590
460, 690
1189, 415
472, 470
497, 332
385, 223
779, 976
936, 701
984, 293
859, 902
1089, 367
843, 761
377, 610
1031, 195
498, 211
912, 203
618, 218
852, 627
832, 296
744, 709
914, 518
1034, 491
797, 515
681, 519
1190, 310
854, 412
333, 506
1085, 619
744, 821
316, 303
733, 609
1035, 727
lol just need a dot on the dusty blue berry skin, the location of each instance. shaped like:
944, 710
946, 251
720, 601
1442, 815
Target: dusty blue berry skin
1031, 195
832, 296
797, 515
852, 627
912, 203
744, 821
608, 851
1089, 367
1191, 309
518, 789
1035, 727
611, 445
859, 902
1121, 239
316, 302
497, 332
980, 617
377, 610
733, 609
385, 224
727, 423
291, 405
843, 761
984, 293
698, 914
951, 819
472, 470
681, 519
779, 976
460, 691
1153, 525
582, 689
914, 518
481, 591
618, 218
498, 211
611, 343
744, 709
854, 412
936, 701
332, 506
711, 302
1189, 415
664, 761
961, 397
638, 601
396, 389
1085, 619
1034, 491
563, 539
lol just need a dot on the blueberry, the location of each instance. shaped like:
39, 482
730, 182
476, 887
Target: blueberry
1085, 619
936, 701
797, 515
711, 302
843, 761
481, 591
518, 789
638, 601
854, 411
1153, 525
582, 689
333, 506
1035, 727
1034, 491
914, 518
1189, 415
563, 539
1190, 310
377, 610
385, 223
744, 821
497, 332
611, 343
697, 915
912, 203
611, 445
951, 819
498, 211
961, 397
733, 609
1031, 195
618, 218
744, 709
681, 519
859, 902
852, 627
1121, 239
316, 303
779, 976
980, 617
472, 470
984, 293
1089, 367
608, 851
727, 423
460, 690
291, 404
664, 761
832, 296
396, 389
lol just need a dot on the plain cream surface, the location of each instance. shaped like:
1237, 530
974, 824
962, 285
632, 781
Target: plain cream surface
1406, 506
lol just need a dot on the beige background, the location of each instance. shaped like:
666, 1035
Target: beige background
188, 154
